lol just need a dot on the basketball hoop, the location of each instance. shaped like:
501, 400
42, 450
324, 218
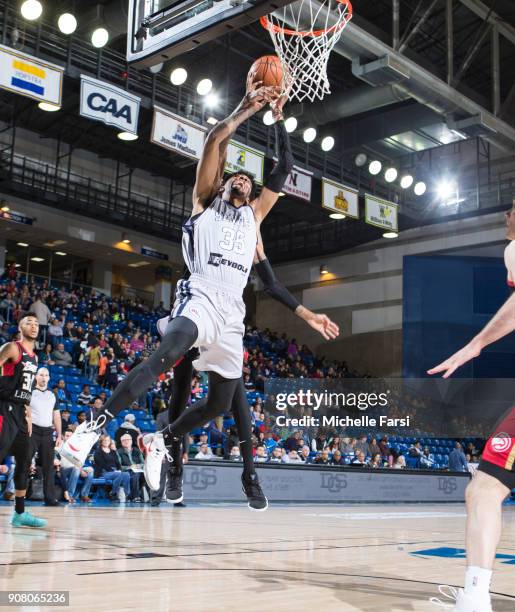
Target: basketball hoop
304, 34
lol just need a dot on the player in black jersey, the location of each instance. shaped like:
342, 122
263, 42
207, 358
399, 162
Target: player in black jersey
18, 367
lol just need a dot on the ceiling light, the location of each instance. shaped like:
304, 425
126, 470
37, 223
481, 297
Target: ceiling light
204, 87
49, 108
61, 253
99, 38
323, 269
374, 167
31, 9
156, 68
139, 264
360, 160
5, 209
309, 134
37, 259
420, 188
268, 118
290, 124
211, 100
125, 238
127, 136
212, 120
22, 244
446, 189
390, 175
178, 76
67, 23
336, 215
406, 181
327, 143
390, 235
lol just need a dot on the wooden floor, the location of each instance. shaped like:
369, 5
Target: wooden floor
212, 558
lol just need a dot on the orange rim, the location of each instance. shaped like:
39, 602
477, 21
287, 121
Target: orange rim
268, 25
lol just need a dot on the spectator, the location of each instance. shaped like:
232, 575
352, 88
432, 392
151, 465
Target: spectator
81, 417
40, 309
7, 469
359, 459
45, 356
337, 458
384, 448
304, 454
269, 442
249, 384
85, 397
399, 463
93, 361
111, 373
335, 444
318, 443
349, 446
261, 455
276, 456
128, 427
375, 461
427, 459
131, 461
234, 454
61, 392
292, 457
292, 443
373, 448
107, 465
323, 457
55, 332
362, 445
61, 357
65, 420
415, 450
204, 452
70, 475
457, 460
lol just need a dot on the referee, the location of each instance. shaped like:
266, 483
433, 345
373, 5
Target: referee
45, 417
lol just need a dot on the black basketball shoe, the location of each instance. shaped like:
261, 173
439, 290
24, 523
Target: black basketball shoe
255, 496
174, 494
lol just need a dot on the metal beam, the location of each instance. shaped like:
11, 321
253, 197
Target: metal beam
483, 11
472, 52
395, 23
496, 72
418, 25
449, 27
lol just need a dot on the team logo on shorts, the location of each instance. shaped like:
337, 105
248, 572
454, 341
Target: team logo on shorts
501, 442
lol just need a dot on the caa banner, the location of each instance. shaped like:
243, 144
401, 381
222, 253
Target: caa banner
340, 198
242, 157
109, 104
298, 184
177, 134
30, 76
381, 213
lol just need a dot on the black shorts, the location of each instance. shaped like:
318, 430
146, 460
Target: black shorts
14, 435
506, 477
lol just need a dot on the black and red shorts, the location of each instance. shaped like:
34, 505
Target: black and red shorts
498, 459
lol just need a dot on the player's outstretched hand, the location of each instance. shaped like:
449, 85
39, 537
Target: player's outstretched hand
259, 95
323, 325
278, 104
449, 366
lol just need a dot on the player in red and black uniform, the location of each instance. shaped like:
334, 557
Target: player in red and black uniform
496, 473
18, 367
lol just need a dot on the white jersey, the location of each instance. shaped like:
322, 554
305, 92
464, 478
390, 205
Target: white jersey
219, 243
509, 262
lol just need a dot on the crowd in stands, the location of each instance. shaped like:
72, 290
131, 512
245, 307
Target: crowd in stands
90, 341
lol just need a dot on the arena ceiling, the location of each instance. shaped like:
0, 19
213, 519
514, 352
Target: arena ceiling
398, 128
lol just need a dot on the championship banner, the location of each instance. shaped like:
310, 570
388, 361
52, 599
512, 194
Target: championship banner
242, 157
381, 213
29, 76
111, 105
177, 134
298, 184
340, 198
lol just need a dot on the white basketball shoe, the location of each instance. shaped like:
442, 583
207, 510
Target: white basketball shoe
76, 449
152, 445
462, 601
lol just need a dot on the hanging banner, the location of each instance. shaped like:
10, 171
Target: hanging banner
111, 105
340, 198
242, 157
15, 217
177, 134
150, 252
298, 184
29, 76
381, 213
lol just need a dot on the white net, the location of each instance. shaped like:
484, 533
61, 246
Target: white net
304, 34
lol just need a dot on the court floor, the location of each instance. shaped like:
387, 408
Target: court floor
210, 558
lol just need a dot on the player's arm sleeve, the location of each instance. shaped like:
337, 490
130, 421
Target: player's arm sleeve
273, 287
277, 178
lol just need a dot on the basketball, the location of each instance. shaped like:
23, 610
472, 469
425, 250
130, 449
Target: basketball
268, 70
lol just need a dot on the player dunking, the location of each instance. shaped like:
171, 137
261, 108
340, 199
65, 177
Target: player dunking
219, 243
181, 390
495, 477
18, 367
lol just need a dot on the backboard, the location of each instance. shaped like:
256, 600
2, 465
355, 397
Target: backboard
159, 30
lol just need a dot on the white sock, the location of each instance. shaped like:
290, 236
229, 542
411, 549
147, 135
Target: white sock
477, 582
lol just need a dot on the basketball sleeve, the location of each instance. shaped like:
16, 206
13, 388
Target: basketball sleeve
277, 178
273, 287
